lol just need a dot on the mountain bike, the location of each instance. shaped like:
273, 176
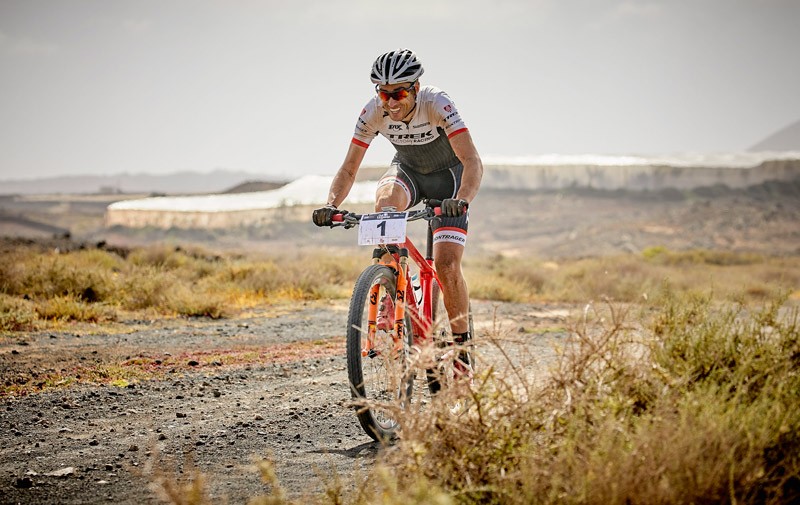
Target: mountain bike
393, 321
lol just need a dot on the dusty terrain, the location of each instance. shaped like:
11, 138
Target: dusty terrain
106, 443
111, 443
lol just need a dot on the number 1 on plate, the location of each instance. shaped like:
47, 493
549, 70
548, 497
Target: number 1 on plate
382, 228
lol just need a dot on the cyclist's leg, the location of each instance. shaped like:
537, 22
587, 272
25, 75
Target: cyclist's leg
449, 240
396, 189
448, 250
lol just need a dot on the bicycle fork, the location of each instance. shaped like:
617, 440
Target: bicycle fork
399, 264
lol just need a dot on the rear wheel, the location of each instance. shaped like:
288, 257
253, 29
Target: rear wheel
377, 367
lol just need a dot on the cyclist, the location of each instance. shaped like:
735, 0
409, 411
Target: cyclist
435, 158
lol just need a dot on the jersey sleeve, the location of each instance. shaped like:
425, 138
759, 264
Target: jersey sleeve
366, 125
449, 118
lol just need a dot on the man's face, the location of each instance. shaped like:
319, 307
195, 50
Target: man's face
397, 105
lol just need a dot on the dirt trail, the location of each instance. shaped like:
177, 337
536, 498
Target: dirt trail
104, 443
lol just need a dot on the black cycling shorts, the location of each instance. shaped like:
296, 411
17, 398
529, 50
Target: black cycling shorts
437, 185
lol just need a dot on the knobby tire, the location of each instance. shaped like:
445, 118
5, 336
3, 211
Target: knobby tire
382, 379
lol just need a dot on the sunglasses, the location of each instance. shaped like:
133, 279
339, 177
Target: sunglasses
397, 94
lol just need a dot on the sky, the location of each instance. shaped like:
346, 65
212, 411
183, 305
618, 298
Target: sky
91, 87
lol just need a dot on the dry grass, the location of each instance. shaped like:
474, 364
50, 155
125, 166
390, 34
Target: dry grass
690, 398
686, 401
41, 289
45, 289
633, 277
696, 405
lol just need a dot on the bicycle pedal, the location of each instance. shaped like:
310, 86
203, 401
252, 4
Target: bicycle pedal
371, 353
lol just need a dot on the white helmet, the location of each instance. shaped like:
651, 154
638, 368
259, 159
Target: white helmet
396, 66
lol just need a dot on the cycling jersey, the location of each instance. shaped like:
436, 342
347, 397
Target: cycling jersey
423, 144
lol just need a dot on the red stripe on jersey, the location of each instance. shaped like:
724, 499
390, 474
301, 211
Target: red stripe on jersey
456, 132
360, 143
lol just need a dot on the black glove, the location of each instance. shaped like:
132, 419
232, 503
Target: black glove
454, 208
324, 216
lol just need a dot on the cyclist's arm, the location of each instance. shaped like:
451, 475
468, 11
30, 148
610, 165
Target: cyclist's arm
473, 166
346, 176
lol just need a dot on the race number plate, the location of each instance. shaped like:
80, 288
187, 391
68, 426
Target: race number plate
382, 228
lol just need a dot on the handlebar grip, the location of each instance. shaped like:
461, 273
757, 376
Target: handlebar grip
436, 205
337, 218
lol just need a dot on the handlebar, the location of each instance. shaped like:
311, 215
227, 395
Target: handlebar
348, 219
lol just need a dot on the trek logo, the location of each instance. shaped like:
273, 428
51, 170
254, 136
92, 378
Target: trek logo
395, 127
411, 136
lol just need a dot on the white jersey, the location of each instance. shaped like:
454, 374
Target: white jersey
423, 144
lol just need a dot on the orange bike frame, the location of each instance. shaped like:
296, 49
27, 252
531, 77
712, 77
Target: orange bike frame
421, 321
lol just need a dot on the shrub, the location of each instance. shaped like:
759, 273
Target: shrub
81, 274
697, 406
662, 255
16, 314
505, 279
69, 308
185, 301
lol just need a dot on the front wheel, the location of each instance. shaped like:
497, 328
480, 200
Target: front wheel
377, 361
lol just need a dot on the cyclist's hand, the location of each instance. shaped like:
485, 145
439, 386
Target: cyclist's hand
324, 216
454, 208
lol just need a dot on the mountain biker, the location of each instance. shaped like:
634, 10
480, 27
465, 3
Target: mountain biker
435, 158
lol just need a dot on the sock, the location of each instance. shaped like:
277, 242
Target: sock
462, 339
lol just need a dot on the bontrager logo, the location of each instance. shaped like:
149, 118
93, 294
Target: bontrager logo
450, 237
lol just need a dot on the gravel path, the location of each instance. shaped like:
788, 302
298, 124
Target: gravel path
101, 443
